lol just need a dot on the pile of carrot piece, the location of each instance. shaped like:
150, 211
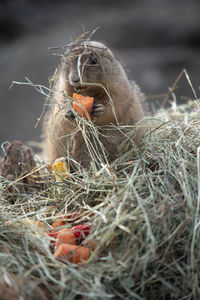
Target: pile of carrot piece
67, 241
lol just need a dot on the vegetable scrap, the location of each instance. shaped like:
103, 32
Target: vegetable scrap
65, 236
67, 240
60, 169
74, 254
80, 232
83, 105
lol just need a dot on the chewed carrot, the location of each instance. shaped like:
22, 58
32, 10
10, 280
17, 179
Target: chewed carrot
65, 236
83, 105
58, 223
72, 253
80, 232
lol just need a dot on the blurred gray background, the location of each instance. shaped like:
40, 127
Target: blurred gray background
153, 39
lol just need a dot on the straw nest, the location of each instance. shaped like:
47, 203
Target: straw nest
146, 222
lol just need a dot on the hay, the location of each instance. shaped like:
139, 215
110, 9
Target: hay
146, 223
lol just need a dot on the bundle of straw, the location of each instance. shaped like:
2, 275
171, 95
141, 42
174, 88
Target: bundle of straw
145, 221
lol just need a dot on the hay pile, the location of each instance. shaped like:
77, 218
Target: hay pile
146, 223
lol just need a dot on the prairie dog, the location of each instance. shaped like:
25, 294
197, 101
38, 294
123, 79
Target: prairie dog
90, 68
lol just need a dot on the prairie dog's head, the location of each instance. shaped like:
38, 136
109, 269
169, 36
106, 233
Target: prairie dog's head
90, 63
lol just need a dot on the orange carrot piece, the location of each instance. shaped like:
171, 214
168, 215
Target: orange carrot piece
65, 236
74, 254
83, 105
58, 223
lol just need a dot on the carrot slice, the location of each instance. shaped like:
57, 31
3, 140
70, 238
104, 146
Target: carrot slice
58, 223
74, 254
83, 105
65, 236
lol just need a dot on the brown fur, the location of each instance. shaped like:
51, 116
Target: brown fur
96, 64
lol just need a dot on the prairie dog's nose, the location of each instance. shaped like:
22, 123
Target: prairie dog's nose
74, 78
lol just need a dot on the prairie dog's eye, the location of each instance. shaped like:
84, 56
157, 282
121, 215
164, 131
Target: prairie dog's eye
94, 61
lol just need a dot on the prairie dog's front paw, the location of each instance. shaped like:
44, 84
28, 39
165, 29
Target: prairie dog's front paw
69, 115
98, 110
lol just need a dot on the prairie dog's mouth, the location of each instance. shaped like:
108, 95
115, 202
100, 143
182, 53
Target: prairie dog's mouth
79, 88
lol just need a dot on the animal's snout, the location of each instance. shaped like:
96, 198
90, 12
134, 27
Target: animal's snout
74, 78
